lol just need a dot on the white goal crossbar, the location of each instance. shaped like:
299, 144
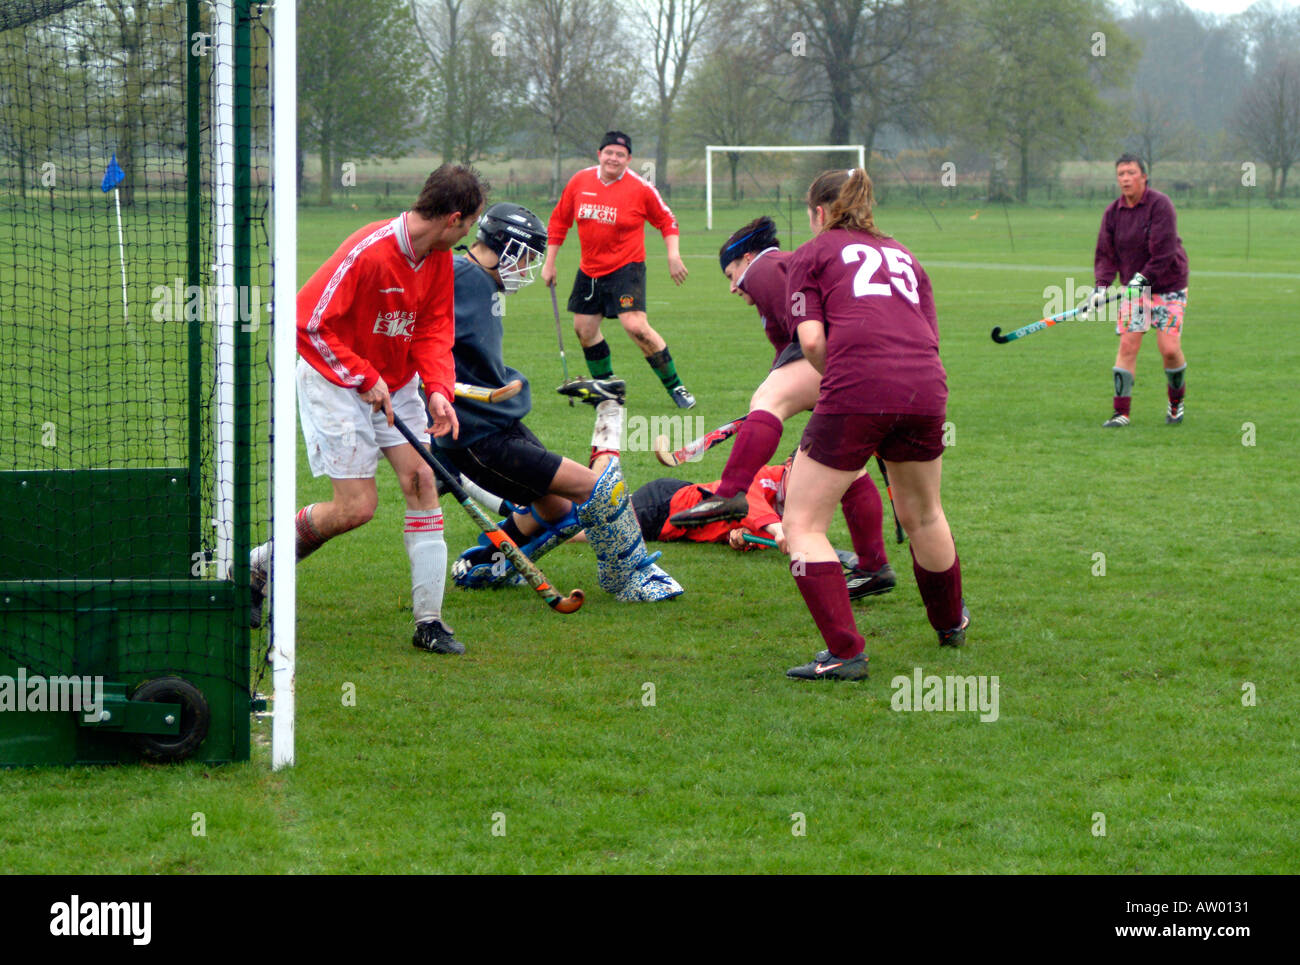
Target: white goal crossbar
734, 148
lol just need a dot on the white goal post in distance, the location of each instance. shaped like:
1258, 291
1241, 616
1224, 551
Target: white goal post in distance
732, 148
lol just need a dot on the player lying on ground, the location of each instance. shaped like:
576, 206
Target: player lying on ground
757, 270
374, 321
868, 325
658, 499
498, 452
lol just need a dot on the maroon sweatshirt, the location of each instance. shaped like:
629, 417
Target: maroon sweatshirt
1143, 238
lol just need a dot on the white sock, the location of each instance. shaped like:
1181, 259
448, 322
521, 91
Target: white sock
260, 558
428, 554
607, 436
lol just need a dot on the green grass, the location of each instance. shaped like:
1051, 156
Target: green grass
1120, 694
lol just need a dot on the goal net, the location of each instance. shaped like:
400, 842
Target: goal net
135, 198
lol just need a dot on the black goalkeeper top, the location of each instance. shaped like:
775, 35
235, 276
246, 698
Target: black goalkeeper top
480, 309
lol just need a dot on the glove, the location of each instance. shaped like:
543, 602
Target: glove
1095, 303
1135, 286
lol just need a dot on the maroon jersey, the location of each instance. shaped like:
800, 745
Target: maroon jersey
765, 281
1143, 238
882, 337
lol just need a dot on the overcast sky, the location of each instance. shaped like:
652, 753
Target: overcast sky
1229, 6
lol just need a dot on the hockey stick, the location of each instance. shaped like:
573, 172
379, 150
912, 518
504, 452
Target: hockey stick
693, 450
559, 336
889, 491
482, 393
504, 544
847, 558
1043, 323
759, 540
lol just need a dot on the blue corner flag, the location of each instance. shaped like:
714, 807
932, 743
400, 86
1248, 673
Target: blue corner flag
113, 176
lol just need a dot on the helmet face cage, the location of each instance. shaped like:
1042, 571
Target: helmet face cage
518, 264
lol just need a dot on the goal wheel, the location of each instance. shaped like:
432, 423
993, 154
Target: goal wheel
195, 718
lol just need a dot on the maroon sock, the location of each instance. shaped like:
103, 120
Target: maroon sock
1122, 403
309, 538
864, 513
1176, 395
827, 596
941, 593
755, 443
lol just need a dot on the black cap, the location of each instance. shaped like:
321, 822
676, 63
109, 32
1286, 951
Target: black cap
615, 137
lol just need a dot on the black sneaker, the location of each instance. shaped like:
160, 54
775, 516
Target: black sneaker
956, 636
861, 583
682, 396
826, 666
712, 509
435, 636
1175, 414
257, 597
595, 391
1116, 421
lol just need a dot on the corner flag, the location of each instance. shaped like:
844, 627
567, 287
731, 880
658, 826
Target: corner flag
113, 176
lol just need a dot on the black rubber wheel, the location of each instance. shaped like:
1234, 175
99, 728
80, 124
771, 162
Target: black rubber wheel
195, 718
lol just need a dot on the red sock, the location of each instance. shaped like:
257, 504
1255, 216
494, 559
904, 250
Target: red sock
941, 593
754, 446
309, 539
1122, 403
827, 596
864, 513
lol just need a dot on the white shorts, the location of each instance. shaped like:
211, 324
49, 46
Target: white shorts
343, 435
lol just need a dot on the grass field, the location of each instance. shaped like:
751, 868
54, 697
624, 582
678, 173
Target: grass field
1125, 698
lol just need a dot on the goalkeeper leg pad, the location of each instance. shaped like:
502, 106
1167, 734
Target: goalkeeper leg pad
623, 566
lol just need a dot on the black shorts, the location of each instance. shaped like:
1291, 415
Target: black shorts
622, 290
651, 505
511, 463
791, 353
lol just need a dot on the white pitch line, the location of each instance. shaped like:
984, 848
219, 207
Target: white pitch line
1074, 269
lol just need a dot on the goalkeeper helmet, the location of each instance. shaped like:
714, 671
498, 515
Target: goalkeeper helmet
518, 238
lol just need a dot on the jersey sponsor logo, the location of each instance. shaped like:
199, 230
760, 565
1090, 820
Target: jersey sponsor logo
396, 324
389, 291
604, 213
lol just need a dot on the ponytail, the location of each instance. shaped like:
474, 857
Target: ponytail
852, 207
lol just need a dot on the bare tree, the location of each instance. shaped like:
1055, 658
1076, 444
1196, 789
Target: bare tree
673, 30
469, 94
1158, 134
866, 62
1268, 119
726, 102
571, 56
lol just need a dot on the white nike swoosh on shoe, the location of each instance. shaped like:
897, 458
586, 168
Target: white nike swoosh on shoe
824, 667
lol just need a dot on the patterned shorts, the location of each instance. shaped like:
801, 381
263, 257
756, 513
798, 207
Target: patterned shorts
1164, 313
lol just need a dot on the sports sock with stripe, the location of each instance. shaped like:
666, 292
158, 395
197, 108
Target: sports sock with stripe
607, 435
824, 590
864, 513
1123, 391
427, 551
309, 539
662, 363
755, 444
941, 593
599, 363
1177, 379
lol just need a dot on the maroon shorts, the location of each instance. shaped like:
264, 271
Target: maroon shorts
846, 442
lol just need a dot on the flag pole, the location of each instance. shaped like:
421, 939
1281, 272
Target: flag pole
121, 251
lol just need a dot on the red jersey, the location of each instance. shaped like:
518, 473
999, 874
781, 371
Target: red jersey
611, 219
761, 496
882, 337
765, 280
371, 311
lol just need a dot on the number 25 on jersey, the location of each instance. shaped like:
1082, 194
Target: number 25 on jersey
899, 265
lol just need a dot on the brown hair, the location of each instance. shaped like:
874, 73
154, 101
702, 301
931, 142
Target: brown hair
848, 198
452, 188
